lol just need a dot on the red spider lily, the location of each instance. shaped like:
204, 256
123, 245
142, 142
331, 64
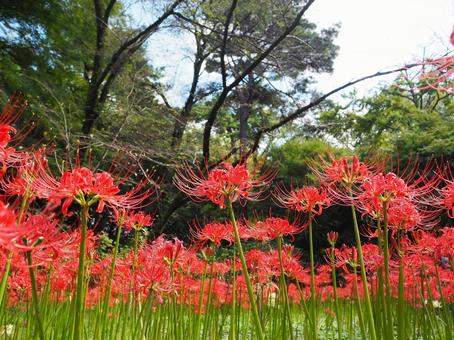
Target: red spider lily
348, 171
437, 73
9, 156
291, 263
271, 228
372, 258
346, 256
400, 197
402, 214
83, 186
427, 244
308, 199
260, 266
448, 198
340, 176
214, 233
170, 252
8, 227
379, 189
39, 232
332, 237
225, 182
137, 220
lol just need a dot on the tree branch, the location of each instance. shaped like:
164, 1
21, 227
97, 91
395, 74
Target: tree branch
297, 113
224, 42
137, 41
102, 78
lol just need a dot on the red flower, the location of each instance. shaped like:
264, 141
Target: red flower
347, 170
213, 232
225, 182
308, 199
379, 189
39, 232
8, 227
410, 201
271, 228
83, 186
452, 37
9, 115
137, 220
332, 237
437, 73
402, 214
448, 198
341, 176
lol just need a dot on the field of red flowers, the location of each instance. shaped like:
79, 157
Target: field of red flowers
55, 284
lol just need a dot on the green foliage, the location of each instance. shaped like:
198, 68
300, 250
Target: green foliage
295, 156
396, 120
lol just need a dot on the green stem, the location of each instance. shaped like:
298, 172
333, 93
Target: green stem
358, 304
108, 294
136, 247
313, 297
23, 209
5, 276
233, 310
210, 284
369, 314
199, 311
284, 286
255, 313
336, 300
389, 317
35, 295
80, 298
400, 304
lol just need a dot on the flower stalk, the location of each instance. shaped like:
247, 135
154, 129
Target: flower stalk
255, 314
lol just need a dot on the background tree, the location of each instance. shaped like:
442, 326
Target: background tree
408, 121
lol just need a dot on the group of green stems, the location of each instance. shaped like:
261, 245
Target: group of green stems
383, 290
384, 295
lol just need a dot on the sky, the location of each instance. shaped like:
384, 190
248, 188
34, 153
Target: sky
375, 35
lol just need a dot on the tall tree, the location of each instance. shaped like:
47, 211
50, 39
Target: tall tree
408, 120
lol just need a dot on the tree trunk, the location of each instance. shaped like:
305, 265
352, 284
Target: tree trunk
245, 99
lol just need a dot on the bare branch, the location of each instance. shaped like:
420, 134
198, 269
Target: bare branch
224, 42
297, 113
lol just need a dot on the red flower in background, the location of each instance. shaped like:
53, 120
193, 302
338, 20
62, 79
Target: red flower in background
271, 228
436, 73
448, 198
308, 199
213, 232
452, 37
39, 232
137, 220
11, 112
347, 170
225, 182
